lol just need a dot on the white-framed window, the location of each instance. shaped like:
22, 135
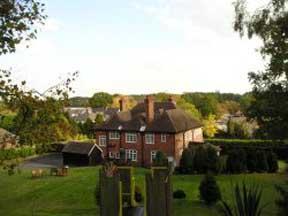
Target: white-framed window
163, 138
153, 155
149, 138
111, 155
131, 154
117, 155
102, 140
131, 137
114, 135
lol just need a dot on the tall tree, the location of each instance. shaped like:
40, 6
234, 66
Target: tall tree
270, 87
40, 117
17, 22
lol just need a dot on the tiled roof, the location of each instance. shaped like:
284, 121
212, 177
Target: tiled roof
167, 118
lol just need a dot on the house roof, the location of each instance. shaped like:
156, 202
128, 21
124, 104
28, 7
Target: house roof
167, 118
84, 148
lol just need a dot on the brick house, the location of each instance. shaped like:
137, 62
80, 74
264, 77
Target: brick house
137, 134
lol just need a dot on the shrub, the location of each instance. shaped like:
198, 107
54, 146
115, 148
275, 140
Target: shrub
200, 160
272, 162
212, 159
138, 194
236, 162
186, 161
179, 194
251, 161
279, 147
209, 190
160, 159
261, 161
14, 153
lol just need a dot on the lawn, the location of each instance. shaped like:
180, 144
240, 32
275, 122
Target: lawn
73, 195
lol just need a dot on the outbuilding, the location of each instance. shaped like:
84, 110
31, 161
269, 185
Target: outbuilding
81, 154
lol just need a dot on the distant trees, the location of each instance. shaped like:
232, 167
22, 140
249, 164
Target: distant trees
19, 19
205, 103
101, 99
210, 127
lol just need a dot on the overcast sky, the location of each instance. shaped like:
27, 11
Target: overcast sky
138, 46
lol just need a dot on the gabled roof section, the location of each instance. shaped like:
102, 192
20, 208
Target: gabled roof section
84, 148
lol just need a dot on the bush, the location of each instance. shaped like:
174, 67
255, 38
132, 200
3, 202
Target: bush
14, 153
179, 194
279, 147
186, 161
209, 190
261, 161
138, 194
200, 160
236, 162
272, 161
160, 159
251, 161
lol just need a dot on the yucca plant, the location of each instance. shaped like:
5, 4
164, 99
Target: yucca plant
246, 201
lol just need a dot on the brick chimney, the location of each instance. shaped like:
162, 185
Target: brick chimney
123, 104
149, 108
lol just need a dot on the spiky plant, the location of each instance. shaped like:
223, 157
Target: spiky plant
282, 201
246, 201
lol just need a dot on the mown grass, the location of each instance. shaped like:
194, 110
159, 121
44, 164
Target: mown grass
74, 195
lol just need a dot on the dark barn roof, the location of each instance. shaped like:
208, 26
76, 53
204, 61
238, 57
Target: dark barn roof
167, 118
83, 148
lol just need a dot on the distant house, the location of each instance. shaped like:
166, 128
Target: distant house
81, 114
147, 128
7, 139
81, 154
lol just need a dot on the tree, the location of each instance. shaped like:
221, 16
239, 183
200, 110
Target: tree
99, 119
210, 127
270, 86
189, 108
205, 103
101, 99
40, 117
209, 190
87, 128
18, 22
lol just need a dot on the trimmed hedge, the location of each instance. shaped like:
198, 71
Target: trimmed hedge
278, 146
13, 153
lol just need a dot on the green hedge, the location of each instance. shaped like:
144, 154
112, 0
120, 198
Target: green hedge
13, 153
278, 146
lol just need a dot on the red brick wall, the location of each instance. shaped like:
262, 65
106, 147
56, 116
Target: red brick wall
172, 147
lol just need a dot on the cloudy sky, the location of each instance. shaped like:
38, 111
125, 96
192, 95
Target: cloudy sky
138, 46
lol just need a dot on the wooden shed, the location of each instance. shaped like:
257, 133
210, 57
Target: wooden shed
81, 154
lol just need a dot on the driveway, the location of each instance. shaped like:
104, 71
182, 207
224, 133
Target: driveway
44, 161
